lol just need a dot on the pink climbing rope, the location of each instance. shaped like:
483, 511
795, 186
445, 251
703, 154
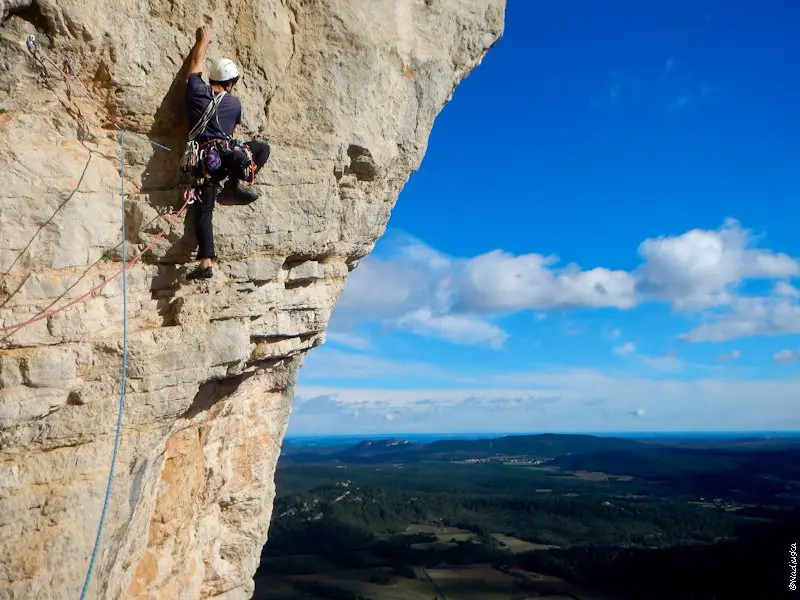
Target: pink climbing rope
188, 196
35, 49
95, 289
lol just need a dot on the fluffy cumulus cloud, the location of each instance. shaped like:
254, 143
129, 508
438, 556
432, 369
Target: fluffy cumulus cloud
387, 288
701, 269
500, 282
416, 288
420, 290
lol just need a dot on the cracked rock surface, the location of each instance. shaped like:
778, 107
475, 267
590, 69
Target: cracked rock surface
346, 93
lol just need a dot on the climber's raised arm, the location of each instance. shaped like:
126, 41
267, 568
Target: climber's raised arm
198, 56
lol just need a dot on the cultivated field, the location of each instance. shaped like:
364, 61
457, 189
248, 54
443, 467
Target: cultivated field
435, 529
476, 582
444, 535
483, 583
353, 580
518, 545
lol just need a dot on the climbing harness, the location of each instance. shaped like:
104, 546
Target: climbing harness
202, 160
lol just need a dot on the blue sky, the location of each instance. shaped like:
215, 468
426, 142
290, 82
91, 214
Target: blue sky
602, 236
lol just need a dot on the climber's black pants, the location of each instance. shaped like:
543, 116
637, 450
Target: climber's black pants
202, 210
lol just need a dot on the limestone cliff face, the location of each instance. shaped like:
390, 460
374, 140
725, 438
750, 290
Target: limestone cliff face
346, 92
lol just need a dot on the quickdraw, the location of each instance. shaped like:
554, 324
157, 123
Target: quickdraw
249, 173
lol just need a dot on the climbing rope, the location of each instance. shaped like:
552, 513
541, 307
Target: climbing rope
123, 378
68, 72
95, 289
35, 48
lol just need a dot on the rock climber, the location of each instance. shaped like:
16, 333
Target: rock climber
213, 113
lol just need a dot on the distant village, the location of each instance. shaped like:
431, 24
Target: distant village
519, 459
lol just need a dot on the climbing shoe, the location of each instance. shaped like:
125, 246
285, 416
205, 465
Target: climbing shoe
246, 193
236, 192
201, 273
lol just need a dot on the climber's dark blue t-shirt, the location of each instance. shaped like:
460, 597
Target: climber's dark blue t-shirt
198, 95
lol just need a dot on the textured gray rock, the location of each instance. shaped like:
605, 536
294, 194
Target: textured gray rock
346, 92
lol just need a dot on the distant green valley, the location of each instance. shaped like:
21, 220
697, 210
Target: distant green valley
548, 516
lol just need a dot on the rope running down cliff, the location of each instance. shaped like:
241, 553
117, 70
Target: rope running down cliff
35, 49
123, 378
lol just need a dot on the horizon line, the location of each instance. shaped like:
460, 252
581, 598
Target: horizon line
744, 432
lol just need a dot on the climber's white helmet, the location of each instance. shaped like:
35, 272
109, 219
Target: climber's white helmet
224, 70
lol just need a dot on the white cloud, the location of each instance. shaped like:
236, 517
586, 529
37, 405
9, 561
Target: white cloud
557, 400
748, 317
416, 288
783, 288
499, 282
329, 363
701, 269
385, 288
786, 356
732, 355
639, 412
625, 349
351, 340
419, 289
667, 364
457, 328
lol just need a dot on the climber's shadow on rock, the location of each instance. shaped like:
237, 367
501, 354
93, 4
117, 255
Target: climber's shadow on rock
228, 198
161, 177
